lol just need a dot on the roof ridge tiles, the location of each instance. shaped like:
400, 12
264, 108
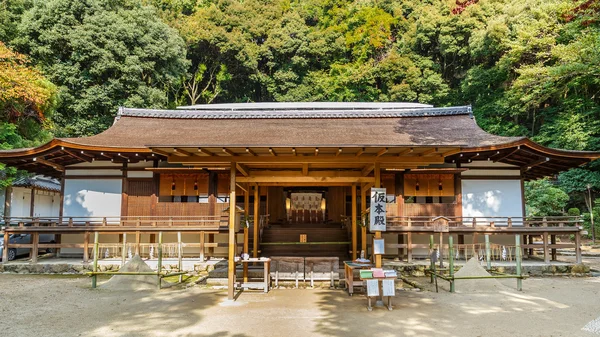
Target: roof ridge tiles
341, 113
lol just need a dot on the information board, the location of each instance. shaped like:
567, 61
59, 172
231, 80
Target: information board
377, 218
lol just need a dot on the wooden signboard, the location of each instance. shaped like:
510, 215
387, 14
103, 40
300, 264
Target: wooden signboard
377, 214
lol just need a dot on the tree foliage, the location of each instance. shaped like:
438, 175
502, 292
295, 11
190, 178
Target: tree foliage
101, 54
544, 199
528, 67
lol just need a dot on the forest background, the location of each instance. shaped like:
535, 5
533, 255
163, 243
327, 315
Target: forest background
528, 67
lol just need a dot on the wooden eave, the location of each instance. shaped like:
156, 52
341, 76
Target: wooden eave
51, 158
534, 160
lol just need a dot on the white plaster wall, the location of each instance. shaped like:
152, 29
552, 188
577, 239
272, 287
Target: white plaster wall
21, 202
491, 198
46, 204
93, 197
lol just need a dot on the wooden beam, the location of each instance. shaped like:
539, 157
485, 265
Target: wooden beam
182, 152
360, 152
382, 152
272, 152
405, 151
274, 159
310, 173
367, 170
536, 163
305, 169
228, 152
205, 152
79, 156
55, 166
507, 155
250, 152
242, 187
307, 179
428, 152
243, 169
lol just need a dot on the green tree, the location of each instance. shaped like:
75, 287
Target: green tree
542, 198
101, 54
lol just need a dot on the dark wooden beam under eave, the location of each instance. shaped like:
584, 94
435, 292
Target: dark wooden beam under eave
506, 155
243, 169
79, 156
55, 166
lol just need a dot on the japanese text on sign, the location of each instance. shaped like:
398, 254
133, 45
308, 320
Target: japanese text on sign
377, 213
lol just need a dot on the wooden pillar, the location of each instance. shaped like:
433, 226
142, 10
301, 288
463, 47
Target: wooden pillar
354, 215
545, 243
231, 265
7, 201
577, 247
86, 247
458, 210
124, 190
35, 240
202, 238
246, 229
363, 209
377, 185
138, 239
213, 180
399, 193
553, 250
409, 253
32, 203
256, 220
58, 237
5, 250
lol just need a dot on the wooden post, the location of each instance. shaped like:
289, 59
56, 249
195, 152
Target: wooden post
256, 221
488, 252
354, 215
577, 247
5, 250
363, 229
96, 253
202, 238
246, 229
545, 242
518, 258
553, 250
409, 252
32, 203
179, 255
440, 248
451, 261
35, 240
86, 247
124, 250
138, 239
159, 264
377, 233
431, 263
231, 264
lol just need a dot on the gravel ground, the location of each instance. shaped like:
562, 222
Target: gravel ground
66, 306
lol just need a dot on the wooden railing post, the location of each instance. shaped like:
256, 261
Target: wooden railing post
5, 250
35, 240
202, 238
409, 251
86, 247
70, 222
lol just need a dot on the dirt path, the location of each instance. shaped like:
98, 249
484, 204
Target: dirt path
60, 306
